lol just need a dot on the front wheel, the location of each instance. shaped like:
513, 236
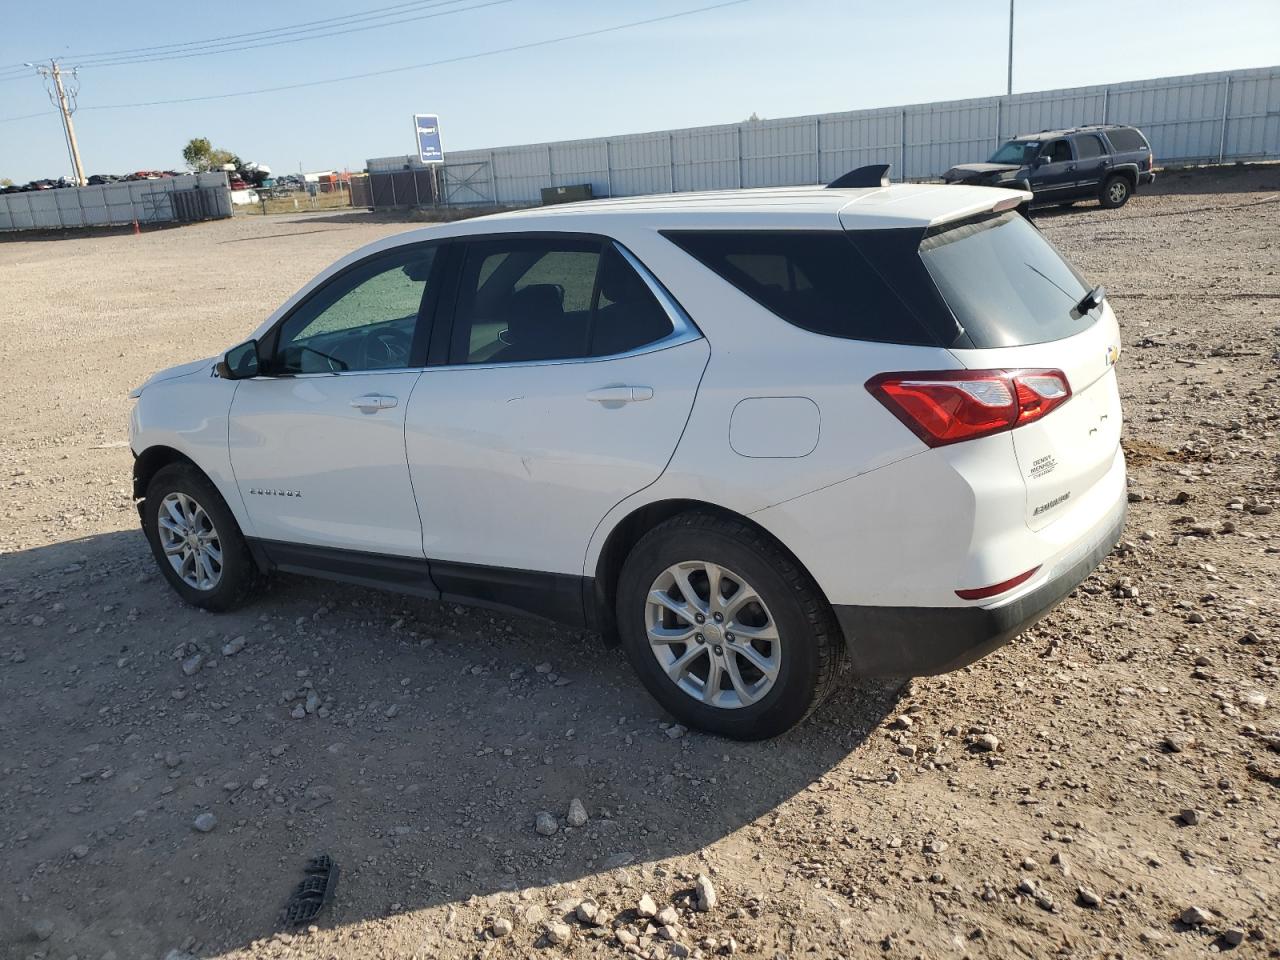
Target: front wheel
1115, 192
725, 629
196, 541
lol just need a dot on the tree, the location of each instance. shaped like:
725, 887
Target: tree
5, 182
201, 155
198, 154
221, 157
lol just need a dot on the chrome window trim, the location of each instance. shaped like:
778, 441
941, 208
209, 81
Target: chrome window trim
683, 330
336, 373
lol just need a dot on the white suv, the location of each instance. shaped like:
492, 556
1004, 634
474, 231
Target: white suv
751, 436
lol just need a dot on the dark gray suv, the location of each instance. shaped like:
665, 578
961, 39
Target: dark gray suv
1107, 162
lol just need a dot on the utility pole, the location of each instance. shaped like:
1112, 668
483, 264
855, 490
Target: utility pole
65, 100
1009, 89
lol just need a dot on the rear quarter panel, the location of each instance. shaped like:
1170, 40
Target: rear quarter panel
755, 354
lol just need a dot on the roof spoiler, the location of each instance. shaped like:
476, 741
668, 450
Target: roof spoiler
875, 175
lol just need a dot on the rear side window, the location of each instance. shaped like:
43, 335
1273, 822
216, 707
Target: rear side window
1127, 139
1089, 146
816, 281
1005, 283
524, 299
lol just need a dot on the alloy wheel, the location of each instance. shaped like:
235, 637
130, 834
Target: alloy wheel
1117, 191
190, 541
712, 634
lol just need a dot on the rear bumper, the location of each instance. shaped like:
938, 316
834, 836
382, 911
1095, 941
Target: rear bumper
1146, 178
921, 641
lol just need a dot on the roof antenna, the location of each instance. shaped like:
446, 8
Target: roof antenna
874, 175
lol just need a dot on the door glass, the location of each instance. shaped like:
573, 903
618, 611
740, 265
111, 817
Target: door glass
527, 299
1058, 151
363, 319
1089, 146
627, 314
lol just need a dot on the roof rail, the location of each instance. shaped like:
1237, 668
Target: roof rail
873, 175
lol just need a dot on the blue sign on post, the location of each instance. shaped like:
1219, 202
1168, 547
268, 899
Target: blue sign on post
426, 127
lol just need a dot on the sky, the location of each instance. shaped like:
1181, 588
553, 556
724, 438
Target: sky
774, 58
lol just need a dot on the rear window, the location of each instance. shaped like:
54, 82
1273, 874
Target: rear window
1127, 139
817, 281
1004, 282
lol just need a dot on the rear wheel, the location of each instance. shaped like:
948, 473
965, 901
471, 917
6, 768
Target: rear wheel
196, 541
724, 628
1115, 192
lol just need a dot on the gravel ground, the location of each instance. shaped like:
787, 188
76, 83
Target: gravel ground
1107, 785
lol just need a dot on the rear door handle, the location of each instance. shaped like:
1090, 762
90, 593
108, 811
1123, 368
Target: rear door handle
374, 401
627, 394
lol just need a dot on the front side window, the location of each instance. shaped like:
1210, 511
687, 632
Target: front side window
1088, 147
1057, 151
363, 319
525, 299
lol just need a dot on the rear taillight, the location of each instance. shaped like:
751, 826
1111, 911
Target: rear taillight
947, 406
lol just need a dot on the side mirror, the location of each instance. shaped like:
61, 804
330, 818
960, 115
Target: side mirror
1040, 160
240, 363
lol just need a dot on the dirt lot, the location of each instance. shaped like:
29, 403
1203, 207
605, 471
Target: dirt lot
1108, 785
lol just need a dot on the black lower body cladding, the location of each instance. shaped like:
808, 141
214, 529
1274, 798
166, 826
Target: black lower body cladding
923, 641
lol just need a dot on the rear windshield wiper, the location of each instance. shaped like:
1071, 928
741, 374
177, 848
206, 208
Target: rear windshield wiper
1092, 300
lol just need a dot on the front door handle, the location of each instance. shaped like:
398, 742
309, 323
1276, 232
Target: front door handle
372, 402
620, 395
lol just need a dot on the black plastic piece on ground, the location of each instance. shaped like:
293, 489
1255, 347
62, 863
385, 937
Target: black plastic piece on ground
315, 890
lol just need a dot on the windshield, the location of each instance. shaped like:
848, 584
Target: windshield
1016, 151
1005, 283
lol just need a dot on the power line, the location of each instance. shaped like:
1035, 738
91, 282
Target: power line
413, 66
284, 37
318, 36
277, 36
377, 11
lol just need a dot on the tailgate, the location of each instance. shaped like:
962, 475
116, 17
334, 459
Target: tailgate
1063, 455
1019, 303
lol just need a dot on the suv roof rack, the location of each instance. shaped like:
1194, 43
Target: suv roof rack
872, 175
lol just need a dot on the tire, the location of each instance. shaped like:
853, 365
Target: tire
226, 584
759, 693
1116, 191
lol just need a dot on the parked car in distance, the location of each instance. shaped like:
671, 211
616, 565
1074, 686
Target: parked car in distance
753, 436
1107, 163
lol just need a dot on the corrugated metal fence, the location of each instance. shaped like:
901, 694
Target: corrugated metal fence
197, 196
1202, 118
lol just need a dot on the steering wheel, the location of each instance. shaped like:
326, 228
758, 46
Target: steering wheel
387, 349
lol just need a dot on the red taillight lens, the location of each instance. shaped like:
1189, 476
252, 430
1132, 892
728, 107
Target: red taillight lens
947, 406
